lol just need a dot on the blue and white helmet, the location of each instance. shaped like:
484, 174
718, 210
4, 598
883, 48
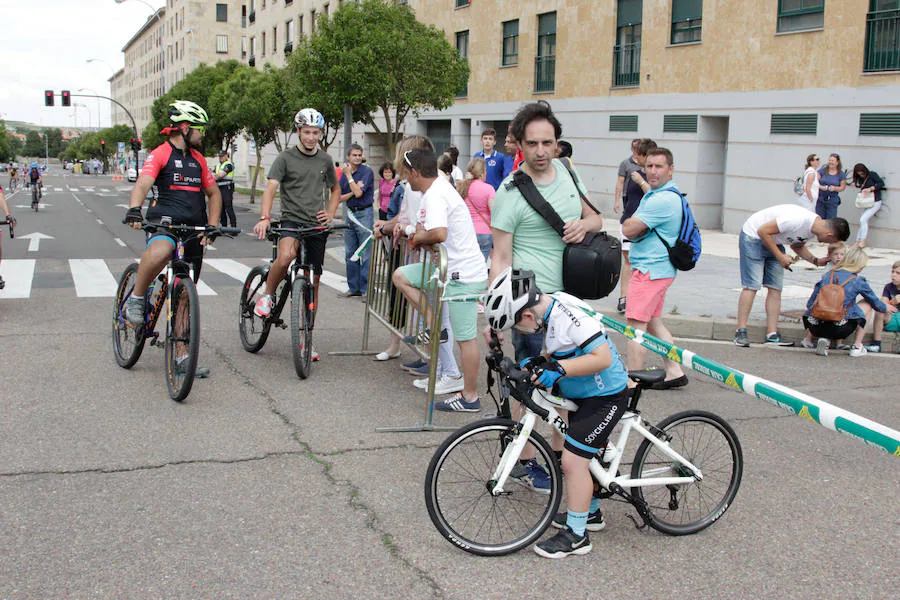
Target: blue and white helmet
309, 117
513, 291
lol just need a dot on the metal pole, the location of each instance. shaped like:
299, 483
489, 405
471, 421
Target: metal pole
348, 127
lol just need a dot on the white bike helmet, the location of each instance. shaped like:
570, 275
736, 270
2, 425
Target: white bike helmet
185, 111
309, 117
513, 291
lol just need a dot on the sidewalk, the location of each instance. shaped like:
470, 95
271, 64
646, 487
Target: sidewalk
702, 303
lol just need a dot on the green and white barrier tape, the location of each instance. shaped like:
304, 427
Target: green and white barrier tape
821, 412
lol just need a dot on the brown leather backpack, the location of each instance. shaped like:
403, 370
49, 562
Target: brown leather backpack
829, 304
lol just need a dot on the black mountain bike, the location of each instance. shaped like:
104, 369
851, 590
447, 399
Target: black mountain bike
296, 285
182, 338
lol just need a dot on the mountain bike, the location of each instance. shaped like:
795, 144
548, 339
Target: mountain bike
182, 334
296, 285
684, 476
37, 192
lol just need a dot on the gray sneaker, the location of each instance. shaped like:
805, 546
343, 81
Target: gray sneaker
775, 339
741, 339
134, 310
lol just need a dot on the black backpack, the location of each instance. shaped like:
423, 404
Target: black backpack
591, 268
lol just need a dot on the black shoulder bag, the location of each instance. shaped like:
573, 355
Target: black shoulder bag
591, 268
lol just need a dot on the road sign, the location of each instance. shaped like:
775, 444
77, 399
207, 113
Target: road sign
121, 146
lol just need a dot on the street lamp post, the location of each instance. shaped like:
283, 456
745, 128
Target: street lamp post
98, 103
162, 59
113, 71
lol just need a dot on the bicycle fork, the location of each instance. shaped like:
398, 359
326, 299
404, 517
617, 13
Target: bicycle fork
511, 455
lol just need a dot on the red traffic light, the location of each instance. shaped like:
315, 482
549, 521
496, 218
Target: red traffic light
102, 142
48, 97
66, 98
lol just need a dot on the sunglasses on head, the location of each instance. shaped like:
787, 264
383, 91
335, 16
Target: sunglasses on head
406, 159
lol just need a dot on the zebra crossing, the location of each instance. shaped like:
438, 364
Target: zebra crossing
88, 189
98, 278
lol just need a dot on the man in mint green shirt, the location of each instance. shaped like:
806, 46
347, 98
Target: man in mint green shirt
651, 270
523, 239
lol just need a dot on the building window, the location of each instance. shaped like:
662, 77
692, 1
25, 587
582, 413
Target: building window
545, 61
882, 50
243, 46
800, 15
221, 13
289, 31
274, 40
510, 43
325, 8
300, 25
221, 44
262, 49
312, 21
627, 51
462, 48
687, 17
243, 16
463, 3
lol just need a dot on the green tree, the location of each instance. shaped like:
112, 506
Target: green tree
6, 153
34, 144
376, 57
197, 86
54, 140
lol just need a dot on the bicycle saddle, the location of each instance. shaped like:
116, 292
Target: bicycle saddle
647, 377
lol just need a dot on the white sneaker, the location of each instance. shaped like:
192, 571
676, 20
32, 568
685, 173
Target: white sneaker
264, 306
444, 385
808, 344
822, 347
857, 351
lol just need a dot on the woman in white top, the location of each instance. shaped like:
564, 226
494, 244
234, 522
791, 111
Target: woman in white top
810, 183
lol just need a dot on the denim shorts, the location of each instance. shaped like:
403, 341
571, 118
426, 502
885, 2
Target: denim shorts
759, 267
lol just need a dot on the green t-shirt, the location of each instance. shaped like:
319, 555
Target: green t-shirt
536, 246
305, 182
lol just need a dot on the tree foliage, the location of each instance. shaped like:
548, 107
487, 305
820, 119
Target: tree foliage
88, 145
376, 57
6, 147
197, 86
34, 144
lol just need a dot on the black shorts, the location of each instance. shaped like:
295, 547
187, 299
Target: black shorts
591, 424
313, 245
193, 249
832, 330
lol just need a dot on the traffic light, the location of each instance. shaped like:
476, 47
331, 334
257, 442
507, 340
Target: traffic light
102, 146
66, 98
136, 144
48, 97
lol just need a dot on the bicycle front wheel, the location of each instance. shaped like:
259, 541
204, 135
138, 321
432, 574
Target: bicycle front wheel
459, 500
254, 330
301, 327
712, 446
182, 338
128, 340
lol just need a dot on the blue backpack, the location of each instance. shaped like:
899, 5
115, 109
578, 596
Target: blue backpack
685, 252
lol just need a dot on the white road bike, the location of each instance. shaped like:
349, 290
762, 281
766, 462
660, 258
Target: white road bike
684, 475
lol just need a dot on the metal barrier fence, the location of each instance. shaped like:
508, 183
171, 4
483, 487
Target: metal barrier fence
386, 305
821, 412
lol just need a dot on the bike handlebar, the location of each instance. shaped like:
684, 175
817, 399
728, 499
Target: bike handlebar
12, 229
276, 230
521, 386
207, 229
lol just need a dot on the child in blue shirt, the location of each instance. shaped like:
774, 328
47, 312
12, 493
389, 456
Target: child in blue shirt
579, 363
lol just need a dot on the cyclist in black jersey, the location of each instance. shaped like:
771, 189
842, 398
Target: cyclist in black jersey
184, 184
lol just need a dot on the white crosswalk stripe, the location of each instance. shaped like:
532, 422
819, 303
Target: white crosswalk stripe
93, 278
18, 275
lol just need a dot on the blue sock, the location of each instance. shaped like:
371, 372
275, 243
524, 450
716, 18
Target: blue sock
595, 505
577, 522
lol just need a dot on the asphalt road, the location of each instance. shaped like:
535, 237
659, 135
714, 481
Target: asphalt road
261, 485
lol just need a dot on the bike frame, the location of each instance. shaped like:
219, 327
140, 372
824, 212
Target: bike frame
631, 422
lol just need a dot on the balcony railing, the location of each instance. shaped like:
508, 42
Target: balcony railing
627, 65
252, 61
545, 73
882, 51
288, 47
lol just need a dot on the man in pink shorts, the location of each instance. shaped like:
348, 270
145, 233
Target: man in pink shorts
651, 271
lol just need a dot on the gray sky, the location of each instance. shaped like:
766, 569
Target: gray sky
45, 45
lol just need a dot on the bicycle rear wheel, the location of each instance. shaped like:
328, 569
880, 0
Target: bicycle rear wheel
128, 340
301, 326
254, 330
34, 198
709, 443
182, 338
458, 497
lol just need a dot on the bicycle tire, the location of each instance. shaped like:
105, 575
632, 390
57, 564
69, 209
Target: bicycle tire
34, 198
180, 378
462, 508
301, 329
710, 443
254, 331
128, 341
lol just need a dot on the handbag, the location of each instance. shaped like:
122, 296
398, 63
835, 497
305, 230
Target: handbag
590, 268
865, 199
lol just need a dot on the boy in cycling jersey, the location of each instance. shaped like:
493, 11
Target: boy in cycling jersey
579, 363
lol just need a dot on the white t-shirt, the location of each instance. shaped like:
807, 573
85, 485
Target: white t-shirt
442, 206
810, 201
794, 223
409, 206
457, 174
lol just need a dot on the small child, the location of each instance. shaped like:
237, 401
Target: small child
580, 363
891, 297
836, 252
854, 322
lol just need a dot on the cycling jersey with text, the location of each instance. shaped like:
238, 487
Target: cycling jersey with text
180, 178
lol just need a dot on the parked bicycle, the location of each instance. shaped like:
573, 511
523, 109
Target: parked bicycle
684, 475
296, 285
182, 334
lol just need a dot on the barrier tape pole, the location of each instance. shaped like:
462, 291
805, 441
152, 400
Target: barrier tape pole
827, 415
